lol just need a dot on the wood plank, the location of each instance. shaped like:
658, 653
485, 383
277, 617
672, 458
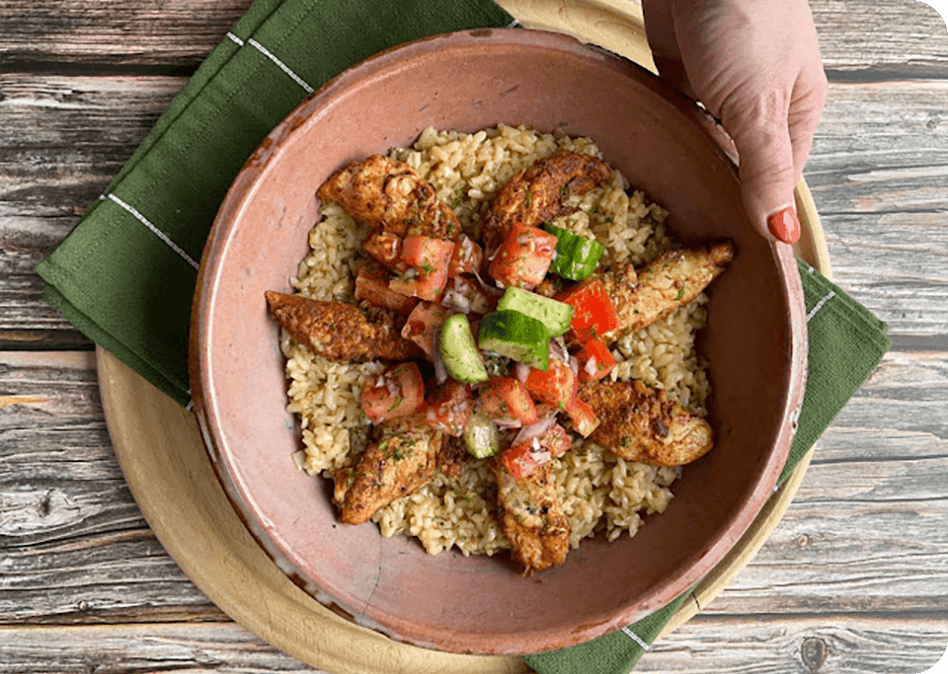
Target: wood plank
221, 647
82, 129
831, 645
739, 645
864, 534
896, 39
175, 32
67, 518
891, 39
877, 171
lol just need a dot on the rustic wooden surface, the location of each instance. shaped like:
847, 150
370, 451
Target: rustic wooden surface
854, 579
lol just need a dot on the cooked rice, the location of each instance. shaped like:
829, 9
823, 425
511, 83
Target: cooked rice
600, 492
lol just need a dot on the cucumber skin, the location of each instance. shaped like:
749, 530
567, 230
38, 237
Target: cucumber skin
459, 351
577, 256
517, 299
517, 336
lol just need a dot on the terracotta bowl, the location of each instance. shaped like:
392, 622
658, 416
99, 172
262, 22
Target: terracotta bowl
754, 341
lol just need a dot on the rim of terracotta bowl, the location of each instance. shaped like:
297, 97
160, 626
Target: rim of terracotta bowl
243, 190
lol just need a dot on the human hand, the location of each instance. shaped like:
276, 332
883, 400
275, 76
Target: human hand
755, 65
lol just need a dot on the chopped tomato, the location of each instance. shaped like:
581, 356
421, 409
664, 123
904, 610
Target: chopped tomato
506, 401
524, 459
556, 440
595, 360
519, 461
450, 408
524, 257
594, 314
582, 416
386, 247
421, 324
557, 386
371, 285
468, 258
397, 392
428, 260
463, 294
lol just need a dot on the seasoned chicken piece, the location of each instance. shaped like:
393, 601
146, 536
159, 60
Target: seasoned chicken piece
342, 331
621, 284
536, 194
640, 424
402, 461
452, 457
669, 281
389, 194
532, 518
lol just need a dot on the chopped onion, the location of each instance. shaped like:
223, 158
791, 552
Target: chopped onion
574, 364
299, 460
508, 423
441, 372
590, 366
535, 430
455, 299
523, 371
542, 456
557, 351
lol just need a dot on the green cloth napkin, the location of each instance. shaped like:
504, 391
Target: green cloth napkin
125, 275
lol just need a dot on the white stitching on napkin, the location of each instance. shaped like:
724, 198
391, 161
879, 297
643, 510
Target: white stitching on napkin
263, 50
819, 305
161, 235
514, 24
636, 638
235, 38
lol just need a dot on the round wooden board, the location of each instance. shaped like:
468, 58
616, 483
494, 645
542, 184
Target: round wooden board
159, 448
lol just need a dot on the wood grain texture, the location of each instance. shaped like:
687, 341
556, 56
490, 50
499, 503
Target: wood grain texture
62, 139
879, 200
67, 518
756, 645
878, 172
174, 32
870, 39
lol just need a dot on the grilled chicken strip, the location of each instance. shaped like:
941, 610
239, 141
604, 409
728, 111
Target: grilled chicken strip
532, 518
389, 194
640, 424
536, 194
342, 331
669, 281
402, 461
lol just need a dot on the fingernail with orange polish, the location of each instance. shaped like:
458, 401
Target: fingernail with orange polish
784, 225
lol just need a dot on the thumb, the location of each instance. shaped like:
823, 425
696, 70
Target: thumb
767, 173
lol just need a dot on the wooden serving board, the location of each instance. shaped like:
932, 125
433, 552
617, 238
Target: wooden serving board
162, 457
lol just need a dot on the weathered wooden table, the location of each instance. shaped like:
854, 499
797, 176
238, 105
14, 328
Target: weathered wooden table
855, 577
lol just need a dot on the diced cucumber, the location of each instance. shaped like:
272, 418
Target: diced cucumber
576, 256
481, 437
517, 336
459, 352
556, 316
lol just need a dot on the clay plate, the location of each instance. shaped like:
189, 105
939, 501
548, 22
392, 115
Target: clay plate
755, 343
